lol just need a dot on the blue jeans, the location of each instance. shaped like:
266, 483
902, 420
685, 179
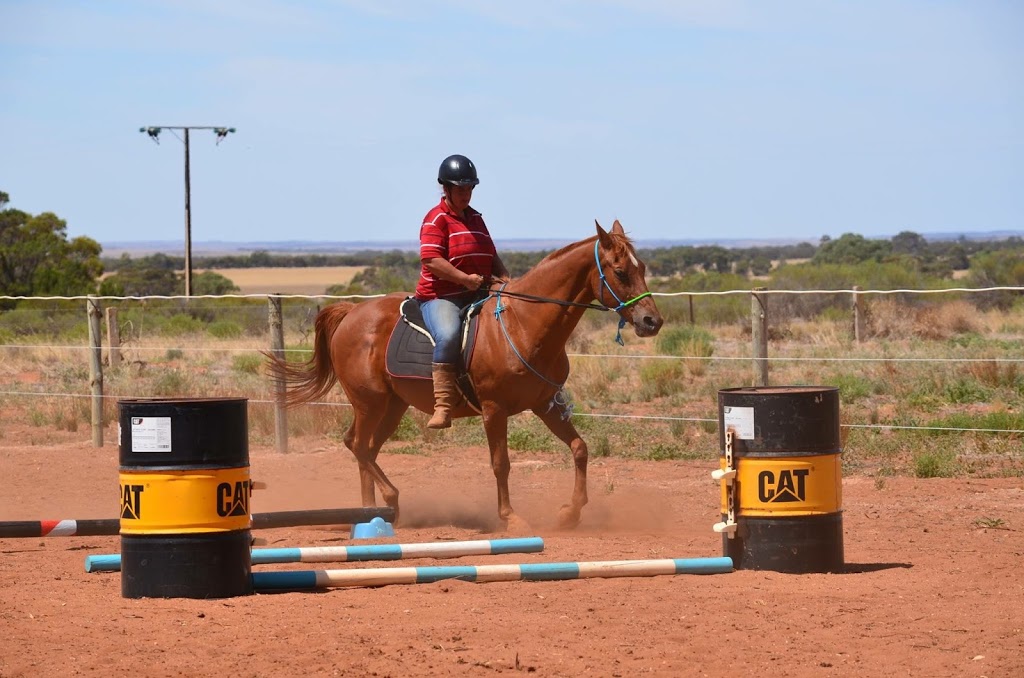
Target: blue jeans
443, 322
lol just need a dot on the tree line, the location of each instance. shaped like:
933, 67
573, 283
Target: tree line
38, 259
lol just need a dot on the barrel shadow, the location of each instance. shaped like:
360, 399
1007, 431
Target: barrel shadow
861, 568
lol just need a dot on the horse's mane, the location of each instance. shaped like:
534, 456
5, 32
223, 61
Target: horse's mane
619, 241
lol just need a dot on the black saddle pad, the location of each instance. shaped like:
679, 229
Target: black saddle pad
410, 349
410, 353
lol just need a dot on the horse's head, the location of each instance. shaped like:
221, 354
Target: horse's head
620, 283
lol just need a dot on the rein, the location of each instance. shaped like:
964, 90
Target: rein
500, 308
561, 302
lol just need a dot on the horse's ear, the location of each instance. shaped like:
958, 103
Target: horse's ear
617, 228
602, 235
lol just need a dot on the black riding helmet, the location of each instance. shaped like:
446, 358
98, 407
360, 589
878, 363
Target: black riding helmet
457, 170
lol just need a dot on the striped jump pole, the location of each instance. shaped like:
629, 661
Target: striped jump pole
59, 528
302, 580
104, 527
342, 554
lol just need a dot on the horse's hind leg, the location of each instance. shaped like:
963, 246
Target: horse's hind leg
569, 514
393, 413
370, 429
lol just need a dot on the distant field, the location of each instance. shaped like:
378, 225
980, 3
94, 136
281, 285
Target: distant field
310, 280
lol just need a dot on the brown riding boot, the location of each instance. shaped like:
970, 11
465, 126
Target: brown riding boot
446, 394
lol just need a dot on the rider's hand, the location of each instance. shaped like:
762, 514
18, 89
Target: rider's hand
473, 282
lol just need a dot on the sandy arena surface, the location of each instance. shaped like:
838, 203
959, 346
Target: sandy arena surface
933, 585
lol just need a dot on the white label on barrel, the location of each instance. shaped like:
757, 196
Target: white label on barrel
740, 420
151, 434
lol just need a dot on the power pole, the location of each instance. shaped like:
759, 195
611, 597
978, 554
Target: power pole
154, 134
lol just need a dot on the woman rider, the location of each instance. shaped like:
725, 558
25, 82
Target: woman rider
458, 256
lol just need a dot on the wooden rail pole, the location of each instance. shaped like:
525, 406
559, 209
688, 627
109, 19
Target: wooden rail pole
95, 370
277, 350
858, 315
113, 337
759, 334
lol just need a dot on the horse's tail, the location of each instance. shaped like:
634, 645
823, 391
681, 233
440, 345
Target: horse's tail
313, 379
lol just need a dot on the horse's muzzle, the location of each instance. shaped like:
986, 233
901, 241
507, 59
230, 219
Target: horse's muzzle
647, 324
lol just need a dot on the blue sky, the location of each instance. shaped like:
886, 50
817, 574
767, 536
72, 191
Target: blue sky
684, 119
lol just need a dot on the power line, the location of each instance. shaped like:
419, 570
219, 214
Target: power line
154, 134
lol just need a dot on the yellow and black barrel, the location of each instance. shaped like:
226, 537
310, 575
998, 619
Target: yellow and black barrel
185, 491
781, 478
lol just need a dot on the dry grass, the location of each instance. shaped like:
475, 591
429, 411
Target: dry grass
966, 372
889, 318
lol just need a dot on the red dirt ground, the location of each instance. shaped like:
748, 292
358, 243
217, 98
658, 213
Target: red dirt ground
933, 584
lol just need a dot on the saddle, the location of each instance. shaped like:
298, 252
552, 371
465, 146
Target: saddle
410, 352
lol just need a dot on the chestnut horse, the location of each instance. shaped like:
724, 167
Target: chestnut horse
519, 361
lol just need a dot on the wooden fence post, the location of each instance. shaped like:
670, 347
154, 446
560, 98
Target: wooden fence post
691, 308
113, 337
858, 315
277, 350
95, 370
759, 334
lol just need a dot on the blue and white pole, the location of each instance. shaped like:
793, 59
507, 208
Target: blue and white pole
343, 554
300, 580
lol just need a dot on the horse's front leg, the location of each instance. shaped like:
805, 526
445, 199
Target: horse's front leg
496, 427
569, 514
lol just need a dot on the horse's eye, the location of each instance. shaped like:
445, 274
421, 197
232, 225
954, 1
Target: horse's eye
622, 276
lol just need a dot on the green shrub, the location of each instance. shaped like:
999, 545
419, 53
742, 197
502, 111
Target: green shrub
171, 383
410, 450
36, 418
670, 451
660, 378
600, 447
968, 340
964, 391
181, 323
529, 439
685, 340
852, 387
940, 464
225, 329
407, 430
298, 353
247, 363
999, 421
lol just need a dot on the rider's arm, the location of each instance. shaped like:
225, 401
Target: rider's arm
442, 268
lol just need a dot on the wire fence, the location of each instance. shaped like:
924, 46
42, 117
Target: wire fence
758, 358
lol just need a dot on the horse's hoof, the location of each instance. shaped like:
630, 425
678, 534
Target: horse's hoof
568, 517
516, 525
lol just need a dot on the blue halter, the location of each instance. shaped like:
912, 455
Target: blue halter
622, 304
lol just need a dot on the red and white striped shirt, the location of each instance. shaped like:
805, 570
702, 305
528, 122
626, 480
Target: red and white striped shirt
465, 243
